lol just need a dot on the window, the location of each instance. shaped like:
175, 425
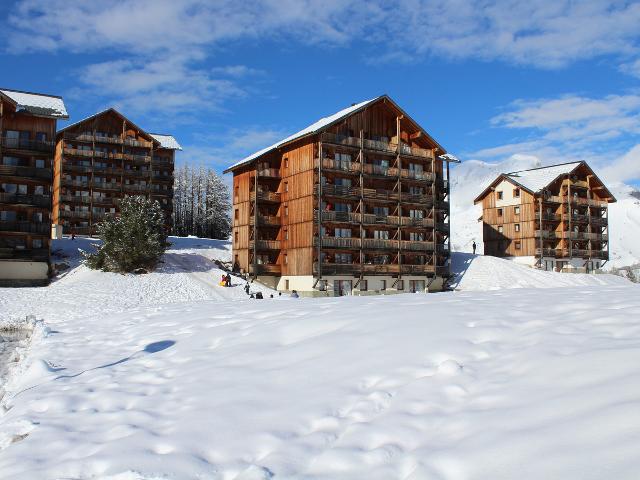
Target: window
286, 186
36, 243
286, 284
383, 285
400, 285
516, 210
236, 236
499, 212
517, 227
343, 233
286, 162
286, 234
237, 193
516, 193
381, 211
41, 136
286, 210
416, 213
236, 214
381, 234
499, 195
500, 228
518, 245
7, 215
38, 190
343, 207
22, 189
363, 285
343, 258
13, 161
284, 259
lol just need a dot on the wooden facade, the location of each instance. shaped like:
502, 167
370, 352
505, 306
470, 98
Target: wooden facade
562, 226
100, 160
26, 163
364, 195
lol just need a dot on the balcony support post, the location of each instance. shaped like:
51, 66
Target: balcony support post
320, 210
399, 209
361, 200
570, 215
255, 225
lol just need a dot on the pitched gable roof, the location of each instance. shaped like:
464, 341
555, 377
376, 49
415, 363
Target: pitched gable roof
167, 141
104, 112
322, 124
36, 103
534, 180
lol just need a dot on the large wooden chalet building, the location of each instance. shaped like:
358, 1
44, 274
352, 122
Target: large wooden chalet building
28, 127
555, 217
103, 158
356, 203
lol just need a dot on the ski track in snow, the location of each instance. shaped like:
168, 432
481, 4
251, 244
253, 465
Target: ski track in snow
161, 376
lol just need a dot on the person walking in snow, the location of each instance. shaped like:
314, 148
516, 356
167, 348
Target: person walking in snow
294, 294
228, 280
246, 288
474, 247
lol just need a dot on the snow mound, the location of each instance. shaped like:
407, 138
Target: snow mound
479, 272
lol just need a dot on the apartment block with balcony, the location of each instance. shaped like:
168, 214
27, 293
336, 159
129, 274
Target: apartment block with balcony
357, 203
27, 127
554, 218
103, 158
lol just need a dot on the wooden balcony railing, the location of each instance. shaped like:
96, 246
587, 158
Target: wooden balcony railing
39, 146
74, 214
338, 217
372, 219
265, 244
339, 165
265, 220
265, 196
269, 172
88, 137
18, 199
137, 143
552, 199
27, 172
416, 175
338, 242
329, 268
265, 269
379, 194
599, 221
547, 234
550, 217
376, 243
416, 222
35, 254
25, 227
338, 190
340, 139
578, 253
416, 245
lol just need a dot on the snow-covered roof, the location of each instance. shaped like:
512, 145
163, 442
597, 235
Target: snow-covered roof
313, 128
100, 113
167, 141
537, 179
37, 103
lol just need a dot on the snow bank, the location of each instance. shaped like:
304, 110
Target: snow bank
467, 385
479, 272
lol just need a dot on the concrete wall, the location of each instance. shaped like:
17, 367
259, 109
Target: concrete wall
18, 273
304, 284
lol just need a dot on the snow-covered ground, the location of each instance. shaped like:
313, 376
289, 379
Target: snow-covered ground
167, 376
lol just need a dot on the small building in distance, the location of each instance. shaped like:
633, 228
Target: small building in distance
555, 217
103, 158
356, 203
28, 128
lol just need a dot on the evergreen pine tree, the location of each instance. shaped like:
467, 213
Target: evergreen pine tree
134, 239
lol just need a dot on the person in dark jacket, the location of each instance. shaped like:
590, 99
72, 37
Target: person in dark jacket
259, 295
228, 280
474, 247
246, 288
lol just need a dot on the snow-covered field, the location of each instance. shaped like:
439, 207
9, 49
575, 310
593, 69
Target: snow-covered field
167, 376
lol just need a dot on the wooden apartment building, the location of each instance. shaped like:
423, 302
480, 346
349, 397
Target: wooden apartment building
555, 217
27, 127
357, 203
103, 158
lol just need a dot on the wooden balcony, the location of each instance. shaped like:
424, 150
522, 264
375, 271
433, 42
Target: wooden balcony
419, 246
443, 227
112, 186
269, 173
129, 187
416, 222
552, 199
372, 219
25, 172
339, 165
379, 244
334, 139
546, 234
416, 175
137, 159
380, 194
417, 198
25, 227
88, 137
266, 196
379, 268
337, 217
133, 142
338, 242
160, 162
549, 217
599, 221
376, 145
575, 253
265, 269
18, 144
31, 200
265, 244
338, 191
589, 202
265, 220
74, 214
370, 169
408, 269
30, 254
337, 268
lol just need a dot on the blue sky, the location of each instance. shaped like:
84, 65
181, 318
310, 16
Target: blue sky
556, 80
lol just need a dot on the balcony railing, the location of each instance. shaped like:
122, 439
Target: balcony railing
376, 145
417, 175
39, 146
546, 234
443, 227
329, 268
133, 188
550, 217
417, 222
379, 194
589, 202
137, 143
340, 139
27, 172
35, 254
376, 243
338, 242
19, 199
88, 137
117, 186
338, 217
408, 269
269, 173
266, 220
373, 219
25, 227
567, 253
339, 165
74, 214
420, 246
266, 196
265, 244
420, 198
338, 190
265, 269
552, 199
599, 221
137, 159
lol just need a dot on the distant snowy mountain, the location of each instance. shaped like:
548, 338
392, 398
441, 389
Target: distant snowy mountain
472, 176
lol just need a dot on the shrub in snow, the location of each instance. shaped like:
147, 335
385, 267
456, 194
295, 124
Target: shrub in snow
134, 240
